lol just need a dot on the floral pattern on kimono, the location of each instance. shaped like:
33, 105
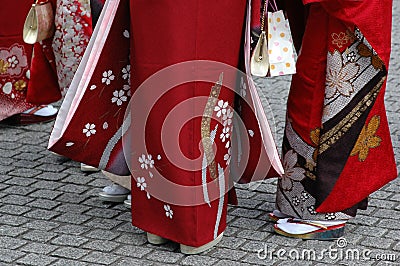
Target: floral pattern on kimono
73, 30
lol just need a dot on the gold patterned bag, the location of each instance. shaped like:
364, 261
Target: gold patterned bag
39, 23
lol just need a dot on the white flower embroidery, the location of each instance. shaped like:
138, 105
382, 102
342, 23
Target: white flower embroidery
168, 211
127, 88
89, 129
220, 108
105, 125
251, 133
150, 160
126, 33
291, 172
107, 77
13, 61
141, 183
119, 97
227, 118
338, 76
143, 162
126, 72
225, 134
227, 157
243, 87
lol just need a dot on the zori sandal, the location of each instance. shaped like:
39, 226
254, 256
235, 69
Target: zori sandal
275, 215
308, 229
38, 114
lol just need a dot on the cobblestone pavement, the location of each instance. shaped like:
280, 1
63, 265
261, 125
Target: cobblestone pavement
50, 215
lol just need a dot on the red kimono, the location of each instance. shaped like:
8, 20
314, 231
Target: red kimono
191, 130
337, 148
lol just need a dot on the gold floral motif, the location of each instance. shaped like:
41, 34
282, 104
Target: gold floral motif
340, 39
367, 139
3, 66
315, 138
364, 51
20, 85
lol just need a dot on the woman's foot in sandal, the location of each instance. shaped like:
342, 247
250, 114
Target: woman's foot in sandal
38, 114
308, 229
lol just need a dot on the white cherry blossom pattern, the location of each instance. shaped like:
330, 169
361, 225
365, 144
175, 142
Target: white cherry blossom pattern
291, 172
339, 76
150, 161
243, 87
108, 76
141, 183
220, 108
225, 134
119, 97
127, 89
13, 61
126, 72
227, 156
146, 162
227, 117
168, 211
89, 129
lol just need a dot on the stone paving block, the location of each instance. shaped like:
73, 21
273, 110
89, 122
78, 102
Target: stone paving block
247, 223
16, 200
69, 240
255, 259
19, 181
224, 253
3, 186
11, 243
101, 245
101, 258
72, 198
247, 213
39, 236
5, 169
128, 228
164, 256
364, 220
231, 231
70, 253
366, 230
27, 164
103, 223
12, 220
36, 259
65, 262
131, 262
102, 213
388, 223
71, 229
231, 242
51, 176
9, 256
77, 179
51, 167
14, 209
12, 231
44, 204
19, 190
46, 194
391, 214
376, 242
72, 208
133, 251
73, 218
125, 216
41, 225
46, 184
42, 214
198, 260
102, 234
29, 156
253, 235
38, 248
72, 188
137, 240
231, 263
